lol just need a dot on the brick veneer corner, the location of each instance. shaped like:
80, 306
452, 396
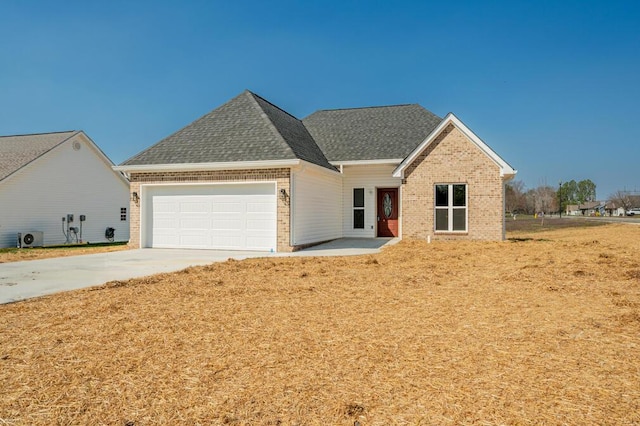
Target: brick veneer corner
453, 158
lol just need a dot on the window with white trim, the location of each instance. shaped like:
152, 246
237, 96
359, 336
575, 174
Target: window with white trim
451, 207
358, 208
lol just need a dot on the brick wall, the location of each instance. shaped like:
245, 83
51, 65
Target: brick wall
280, 176
453, 158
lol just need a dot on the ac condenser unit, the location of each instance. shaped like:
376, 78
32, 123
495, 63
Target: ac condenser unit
30, 239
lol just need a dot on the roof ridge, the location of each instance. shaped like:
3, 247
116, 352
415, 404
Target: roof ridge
273, 105
39, 134
270, 123
366, 107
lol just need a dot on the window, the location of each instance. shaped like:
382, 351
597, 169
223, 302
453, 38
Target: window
451, 208
123, 213
358, 208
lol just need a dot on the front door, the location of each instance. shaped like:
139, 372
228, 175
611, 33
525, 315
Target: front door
387, 212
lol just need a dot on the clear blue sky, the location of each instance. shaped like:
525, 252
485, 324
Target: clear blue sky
552, 86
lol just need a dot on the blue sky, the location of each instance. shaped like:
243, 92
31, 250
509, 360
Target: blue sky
552, 86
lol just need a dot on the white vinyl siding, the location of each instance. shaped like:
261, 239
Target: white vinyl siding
370, 177
64, 181
220, 216
316, 211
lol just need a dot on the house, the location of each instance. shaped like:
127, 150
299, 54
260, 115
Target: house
590, 208
250, 176
59, 188
613, 208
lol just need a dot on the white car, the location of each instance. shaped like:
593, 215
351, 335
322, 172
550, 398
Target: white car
633, 212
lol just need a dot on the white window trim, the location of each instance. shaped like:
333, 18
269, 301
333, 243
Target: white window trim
354, 208
450, 207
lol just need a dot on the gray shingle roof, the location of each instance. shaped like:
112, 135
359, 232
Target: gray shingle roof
247, 128
374, 133
18, 151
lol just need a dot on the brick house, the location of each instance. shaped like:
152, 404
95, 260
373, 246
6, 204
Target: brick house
250, 176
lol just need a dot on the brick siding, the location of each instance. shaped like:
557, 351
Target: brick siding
453, 158
280, 176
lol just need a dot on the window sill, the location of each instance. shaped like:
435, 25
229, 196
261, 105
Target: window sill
451, 232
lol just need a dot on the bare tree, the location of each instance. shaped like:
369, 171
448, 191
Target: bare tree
621, 199
546, 199
515, 197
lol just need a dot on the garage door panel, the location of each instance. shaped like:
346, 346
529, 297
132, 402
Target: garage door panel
260, 207
258, 243
226, 206
226, 224
195, 240
203, 207
227, 241
165, 241
254, 225
165, 222
231, 217
195, 223
164, 206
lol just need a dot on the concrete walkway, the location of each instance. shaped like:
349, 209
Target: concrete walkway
28, 279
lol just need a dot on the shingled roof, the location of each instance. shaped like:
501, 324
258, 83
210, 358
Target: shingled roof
247, 128
374, 133
20, 150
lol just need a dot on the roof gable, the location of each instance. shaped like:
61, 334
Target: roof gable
505, 169
245, 129
373, 133
18, 151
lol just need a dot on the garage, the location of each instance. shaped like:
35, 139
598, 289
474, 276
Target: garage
216, 216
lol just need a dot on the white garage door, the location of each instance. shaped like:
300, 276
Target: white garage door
226, 217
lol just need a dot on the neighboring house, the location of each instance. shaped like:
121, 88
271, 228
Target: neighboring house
573, 210
612, 208
45, 177
250, 176
590, 208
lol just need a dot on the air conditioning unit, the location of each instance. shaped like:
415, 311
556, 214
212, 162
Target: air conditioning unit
30, 239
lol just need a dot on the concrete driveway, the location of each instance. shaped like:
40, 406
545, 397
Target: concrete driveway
24, 280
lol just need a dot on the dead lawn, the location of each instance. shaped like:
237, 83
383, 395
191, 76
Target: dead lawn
542, 330
17, 255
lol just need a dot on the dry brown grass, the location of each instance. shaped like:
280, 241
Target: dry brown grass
542, 330
17, 255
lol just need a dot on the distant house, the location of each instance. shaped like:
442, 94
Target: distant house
250, 176
61, 187
590, 208
612, 208
573, 210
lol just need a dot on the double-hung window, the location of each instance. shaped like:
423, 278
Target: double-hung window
451, 207
358, 208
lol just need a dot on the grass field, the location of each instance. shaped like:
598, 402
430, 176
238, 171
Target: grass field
541, 329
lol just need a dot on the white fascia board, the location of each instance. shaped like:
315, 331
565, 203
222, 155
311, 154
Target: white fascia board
230, 165
367, 162
505, 169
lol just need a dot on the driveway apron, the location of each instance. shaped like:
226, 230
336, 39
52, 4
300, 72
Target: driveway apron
28, 279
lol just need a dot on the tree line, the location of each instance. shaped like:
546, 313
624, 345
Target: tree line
546, 198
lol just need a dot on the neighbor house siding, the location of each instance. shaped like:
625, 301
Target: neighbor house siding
64, 181
368, 177
280, 176
316, 198
453, 158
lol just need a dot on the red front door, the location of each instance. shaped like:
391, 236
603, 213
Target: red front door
387, 212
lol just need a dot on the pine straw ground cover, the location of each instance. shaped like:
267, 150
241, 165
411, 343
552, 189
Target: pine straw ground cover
543, 329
